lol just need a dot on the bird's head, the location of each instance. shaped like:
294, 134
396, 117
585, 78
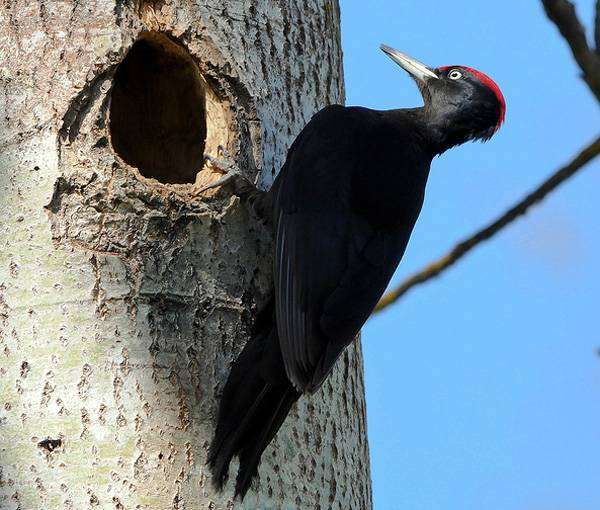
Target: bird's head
461, 103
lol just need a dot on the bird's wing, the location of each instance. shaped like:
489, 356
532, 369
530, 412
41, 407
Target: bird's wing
330, 264
348, 307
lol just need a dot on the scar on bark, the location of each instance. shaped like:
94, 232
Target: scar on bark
81, 105
50, 444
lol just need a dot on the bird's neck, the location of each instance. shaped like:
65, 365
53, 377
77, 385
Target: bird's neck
439, 132
411, 123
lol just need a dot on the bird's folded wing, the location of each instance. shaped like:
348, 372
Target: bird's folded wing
318, 237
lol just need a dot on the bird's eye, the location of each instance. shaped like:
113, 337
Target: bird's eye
455, 74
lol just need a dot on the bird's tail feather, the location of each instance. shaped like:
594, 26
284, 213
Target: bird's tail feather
251, 412
276, 405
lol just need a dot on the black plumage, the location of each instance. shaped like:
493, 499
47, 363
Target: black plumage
343, 208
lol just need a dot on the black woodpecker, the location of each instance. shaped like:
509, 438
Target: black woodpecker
342, 208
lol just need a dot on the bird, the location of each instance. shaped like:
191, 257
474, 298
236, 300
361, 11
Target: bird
342, 209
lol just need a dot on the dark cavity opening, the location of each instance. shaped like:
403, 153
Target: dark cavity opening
158, 111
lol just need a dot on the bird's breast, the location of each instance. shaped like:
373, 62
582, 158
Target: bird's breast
390, 194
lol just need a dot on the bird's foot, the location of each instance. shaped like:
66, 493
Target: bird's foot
242, 186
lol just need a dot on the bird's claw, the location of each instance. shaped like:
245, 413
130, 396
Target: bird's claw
231, 174
226, 179
223, 165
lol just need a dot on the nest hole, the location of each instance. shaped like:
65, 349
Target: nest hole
158, 111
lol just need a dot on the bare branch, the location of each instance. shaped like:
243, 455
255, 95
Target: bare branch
460, 250
562, 14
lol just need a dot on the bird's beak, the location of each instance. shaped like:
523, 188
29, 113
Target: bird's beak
413, 67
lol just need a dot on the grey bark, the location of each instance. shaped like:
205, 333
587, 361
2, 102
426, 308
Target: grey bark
124, 300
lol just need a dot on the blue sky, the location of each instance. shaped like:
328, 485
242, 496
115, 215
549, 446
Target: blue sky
483, 386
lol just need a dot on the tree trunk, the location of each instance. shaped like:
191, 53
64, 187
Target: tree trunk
124, 297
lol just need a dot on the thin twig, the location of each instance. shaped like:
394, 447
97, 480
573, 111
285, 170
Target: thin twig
460, 250
562, 14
